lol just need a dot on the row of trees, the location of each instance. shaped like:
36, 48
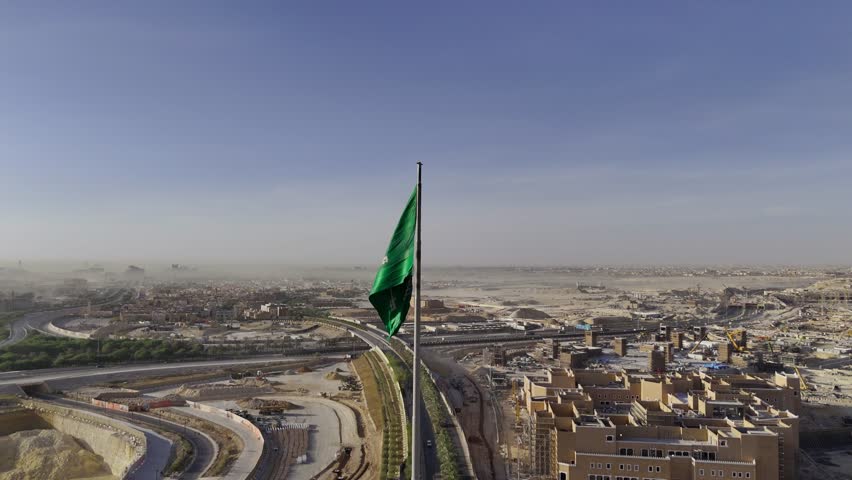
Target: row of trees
392, 434
438, 416
42, 351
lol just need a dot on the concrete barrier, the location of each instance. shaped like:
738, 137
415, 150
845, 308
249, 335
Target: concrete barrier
63, 332
230, 416
251, 458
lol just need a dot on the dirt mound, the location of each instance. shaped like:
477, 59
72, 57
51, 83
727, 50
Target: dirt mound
530, 313
304, 369
335, 376
37, 454
266, 403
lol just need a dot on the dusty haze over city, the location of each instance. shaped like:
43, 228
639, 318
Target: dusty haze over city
628, 258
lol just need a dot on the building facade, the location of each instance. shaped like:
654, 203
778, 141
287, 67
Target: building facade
601, 425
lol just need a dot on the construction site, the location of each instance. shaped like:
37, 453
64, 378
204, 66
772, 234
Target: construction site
795, 334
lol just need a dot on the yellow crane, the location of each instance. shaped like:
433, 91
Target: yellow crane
802, 378
737, 347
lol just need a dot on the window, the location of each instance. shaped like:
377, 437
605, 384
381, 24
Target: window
659, 468
591, 465
748, 475
563, 476
712, 473
630, 451
644, 452
591, 477
635, 468
723, 443
608, 466
600, 465
650, 468
622, 451
610, 438
701, 471
628, 468
671, 453
621, 466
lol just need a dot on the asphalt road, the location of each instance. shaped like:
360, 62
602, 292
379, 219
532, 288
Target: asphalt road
203, 447
37, 321
430, 465
34, 321
29, 377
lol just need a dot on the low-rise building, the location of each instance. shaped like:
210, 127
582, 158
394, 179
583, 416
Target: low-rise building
624, 425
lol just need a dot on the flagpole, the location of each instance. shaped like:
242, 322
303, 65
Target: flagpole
415, 387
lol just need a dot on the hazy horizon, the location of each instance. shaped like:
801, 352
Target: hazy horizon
552, 134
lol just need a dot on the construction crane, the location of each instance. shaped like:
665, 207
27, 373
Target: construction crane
698, 343
737, 347
802, 378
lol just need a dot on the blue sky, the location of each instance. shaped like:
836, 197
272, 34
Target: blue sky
661, 132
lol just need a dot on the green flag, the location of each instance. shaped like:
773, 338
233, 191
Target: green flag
391, 291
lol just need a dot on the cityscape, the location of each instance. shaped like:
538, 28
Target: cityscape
529, 372
383, 240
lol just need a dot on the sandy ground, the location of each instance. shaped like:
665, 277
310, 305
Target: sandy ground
827, 464
334, 425
315, 381
48, 454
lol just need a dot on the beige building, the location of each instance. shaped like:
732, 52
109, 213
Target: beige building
601, 425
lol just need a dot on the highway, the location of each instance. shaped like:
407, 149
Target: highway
430, 466
37, 321
204, 449
34, 321
86, 375
30, 377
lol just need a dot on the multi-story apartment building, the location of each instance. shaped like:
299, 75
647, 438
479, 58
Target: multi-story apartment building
601, 425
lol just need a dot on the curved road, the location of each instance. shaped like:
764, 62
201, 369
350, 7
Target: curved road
38, 321
430, 465
34, 321
203, 447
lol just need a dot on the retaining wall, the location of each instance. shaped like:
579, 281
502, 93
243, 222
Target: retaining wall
63, 332
121, 447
